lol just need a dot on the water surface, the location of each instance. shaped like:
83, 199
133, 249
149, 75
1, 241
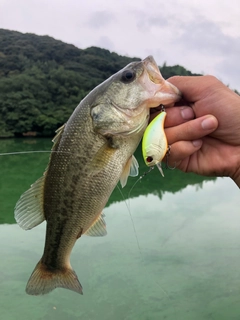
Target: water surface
172, 249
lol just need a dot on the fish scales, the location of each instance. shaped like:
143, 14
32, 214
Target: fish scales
86, 199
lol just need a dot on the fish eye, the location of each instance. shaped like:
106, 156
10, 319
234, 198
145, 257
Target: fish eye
149, 159
128, 76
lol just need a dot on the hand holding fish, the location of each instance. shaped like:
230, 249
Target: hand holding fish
204, 131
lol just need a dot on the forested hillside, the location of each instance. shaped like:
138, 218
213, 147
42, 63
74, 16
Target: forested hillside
42, 80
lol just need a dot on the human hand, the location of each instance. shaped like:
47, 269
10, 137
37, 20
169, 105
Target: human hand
209, 144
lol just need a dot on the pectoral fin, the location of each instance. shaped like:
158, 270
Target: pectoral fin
131, 169
102, 157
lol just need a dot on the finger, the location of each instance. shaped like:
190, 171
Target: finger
193, 88
178, 115
181, 150
192, 130
175, 115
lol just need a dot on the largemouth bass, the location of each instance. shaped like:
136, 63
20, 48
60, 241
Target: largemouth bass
91, 153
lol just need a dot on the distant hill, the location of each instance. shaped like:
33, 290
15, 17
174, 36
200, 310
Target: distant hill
42, 80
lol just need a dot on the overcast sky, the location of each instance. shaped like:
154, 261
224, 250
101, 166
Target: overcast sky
201, 35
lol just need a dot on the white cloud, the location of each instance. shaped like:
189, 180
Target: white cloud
100, 19
203, 36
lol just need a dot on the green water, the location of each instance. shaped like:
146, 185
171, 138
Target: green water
175, 257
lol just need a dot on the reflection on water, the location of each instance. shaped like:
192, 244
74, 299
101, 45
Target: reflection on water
172, 250
19, 171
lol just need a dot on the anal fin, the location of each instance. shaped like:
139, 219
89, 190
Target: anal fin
98, 228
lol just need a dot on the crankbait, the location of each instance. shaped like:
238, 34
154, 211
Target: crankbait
154, 142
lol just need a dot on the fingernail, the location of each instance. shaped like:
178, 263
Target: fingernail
197, 143
187, 113
209, 123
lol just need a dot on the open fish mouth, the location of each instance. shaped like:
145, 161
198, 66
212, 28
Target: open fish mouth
153, 70
167, 90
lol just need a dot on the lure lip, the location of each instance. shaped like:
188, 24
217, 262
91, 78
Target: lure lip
159, 166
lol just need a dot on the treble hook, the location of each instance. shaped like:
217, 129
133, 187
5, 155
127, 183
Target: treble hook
145, 173
167, 158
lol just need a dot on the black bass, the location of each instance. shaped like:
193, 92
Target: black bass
91, 153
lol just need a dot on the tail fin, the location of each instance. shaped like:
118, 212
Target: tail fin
44, 280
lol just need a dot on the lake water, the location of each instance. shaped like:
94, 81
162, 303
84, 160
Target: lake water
172, 250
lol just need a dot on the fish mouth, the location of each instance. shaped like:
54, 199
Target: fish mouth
153, 70
168, 93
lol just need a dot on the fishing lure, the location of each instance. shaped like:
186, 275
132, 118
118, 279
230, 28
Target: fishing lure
154, 142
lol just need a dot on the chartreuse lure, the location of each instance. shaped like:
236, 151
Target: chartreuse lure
154, 142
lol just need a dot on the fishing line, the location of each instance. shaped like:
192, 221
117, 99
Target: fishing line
22, 152
128, 203
129, 193
139, 179
128, 208
33, 151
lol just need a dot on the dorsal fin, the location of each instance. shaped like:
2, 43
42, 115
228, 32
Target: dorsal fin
29, 208
130, 169
98, 228
59, 132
